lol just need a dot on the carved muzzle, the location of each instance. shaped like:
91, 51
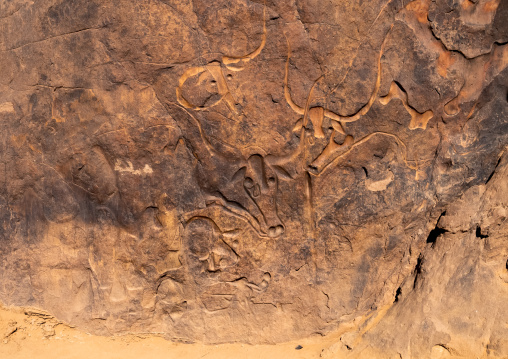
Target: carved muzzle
260, 183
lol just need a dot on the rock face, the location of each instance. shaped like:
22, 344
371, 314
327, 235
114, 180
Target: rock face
259, 171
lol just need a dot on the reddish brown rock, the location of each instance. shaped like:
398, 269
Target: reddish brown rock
259, 172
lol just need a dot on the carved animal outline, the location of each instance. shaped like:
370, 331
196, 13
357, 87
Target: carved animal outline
316, 115
220, 170
331, 152
260, 173
244, 184
209, 253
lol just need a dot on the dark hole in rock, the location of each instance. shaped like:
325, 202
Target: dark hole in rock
398, 293
436, 232
479, 233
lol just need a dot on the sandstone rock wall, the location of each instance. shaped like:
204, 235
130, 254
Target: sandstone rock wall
258, 171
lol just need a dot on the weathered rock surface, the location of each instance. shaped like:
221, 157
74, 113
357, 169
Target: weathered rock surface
259, 172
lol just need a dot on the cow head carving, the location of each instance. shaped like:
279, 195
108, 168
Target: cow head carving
260, 181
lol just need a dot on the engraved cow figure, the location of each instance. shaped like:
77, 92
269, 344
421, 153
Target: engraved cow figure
243, 184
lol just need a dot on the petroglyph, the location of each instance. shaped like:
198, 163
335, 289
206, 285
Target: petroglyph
238, 63
331, 151
236, 171
259, 174
254, 198
317, 115
208, 245
239, 292
215, 70
481, 72
478, 71
418, 120
171, 299
334, 150
211, 256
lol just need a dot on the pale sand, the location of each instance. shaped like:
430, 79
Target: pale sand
29, 333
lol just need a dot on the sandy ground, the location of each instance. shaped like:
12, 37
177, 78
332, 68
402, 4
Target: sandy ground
30, 333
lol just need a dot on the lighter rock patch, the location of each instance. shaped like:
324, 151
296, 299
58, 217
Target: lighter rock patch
7, 107
381, 185
147, 170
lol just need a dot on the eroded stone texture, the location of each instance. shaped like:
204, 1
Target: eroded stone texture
257, 172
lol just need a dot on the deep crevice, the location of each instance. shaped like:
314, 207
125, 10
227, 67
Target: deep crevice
479, 233
436, 232
493, 171
418, 269
398, 293
399, 85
